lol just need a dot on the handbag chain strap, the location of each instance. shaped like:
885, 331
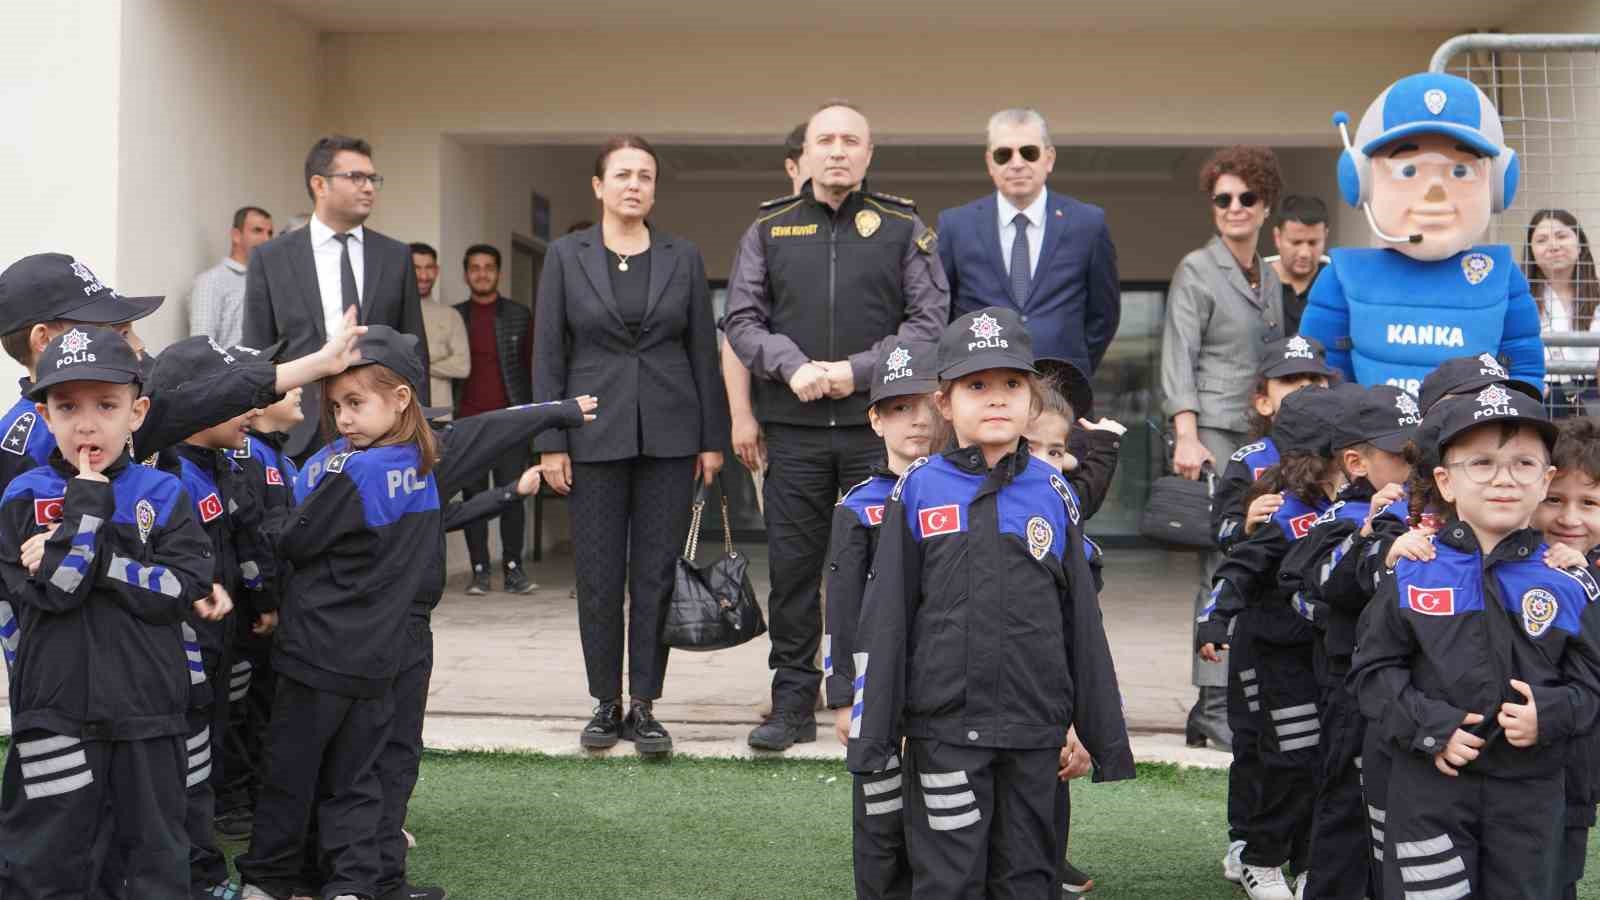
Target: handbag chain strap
691, 544
727, 530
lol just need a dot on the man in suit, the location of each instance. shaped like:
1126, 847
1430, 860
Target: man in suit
299, 285
1046, 255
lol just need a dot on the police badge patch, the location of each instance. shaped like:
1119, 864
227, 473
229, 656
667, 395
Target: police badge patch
144, 515
867, 223
1538, 611
1476, 266
1040, 535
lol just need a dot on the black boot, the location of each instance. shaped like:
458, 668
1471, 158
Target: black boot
605, 728
783, 729
641, 727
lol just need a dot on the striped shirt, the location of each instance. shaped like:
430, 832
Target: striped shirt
216, 305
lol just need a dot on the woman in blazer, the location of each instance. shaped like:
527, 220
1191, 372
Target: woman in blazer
624, 313
1225, 305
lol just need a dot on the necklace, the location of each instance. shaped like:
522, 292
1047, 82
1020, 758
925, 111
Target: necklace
622, 261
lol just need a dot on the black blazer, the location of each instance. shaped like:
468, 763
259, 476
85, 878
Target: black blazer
660, 394
282, 302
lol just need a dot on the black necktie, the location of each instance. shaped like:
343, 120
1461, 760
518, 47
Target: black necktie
348, 296
1021, 278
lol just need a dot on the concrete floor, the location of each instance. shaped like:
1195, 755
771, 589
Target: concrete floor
509, 673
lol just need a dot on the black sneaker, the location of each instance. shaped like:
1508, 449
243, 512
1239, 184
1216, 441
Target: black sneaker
1073, 881
641, 727
517, 580
605, 729
783, 730
412, 892
480, 582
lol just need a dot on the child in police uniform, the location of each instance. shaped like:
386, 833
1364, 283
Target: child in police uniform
103, 558
975, 542
1479, 665
903, 382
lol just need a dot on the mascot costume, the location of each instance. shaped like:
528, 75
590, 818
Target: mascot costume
1428, 166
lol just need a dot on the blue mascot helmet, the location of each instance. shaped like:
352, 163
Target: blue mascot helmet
1429, 103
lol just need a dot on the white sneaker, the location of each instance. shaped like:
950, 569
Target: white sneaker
251, 892
1300, 886
1265, 883
1232, 867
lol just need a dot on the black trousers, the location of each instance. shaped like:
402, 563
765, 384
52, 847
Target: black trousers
1471, 835
1376, 763
507, 469
207, 866
1279, 827
878, 840
93, 819
1244, 706
807, 470
321, 758
401, 758
249, 710
635, 509
1341, 843
981, 822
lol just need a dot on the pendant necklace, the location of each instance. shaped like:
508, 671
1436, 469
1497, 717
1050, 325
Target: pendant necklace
622, 261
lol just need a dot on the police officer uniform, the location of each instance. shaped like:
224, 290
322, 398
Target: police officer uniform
984, 706
907, 368
94, 776
1444, 638
817, 283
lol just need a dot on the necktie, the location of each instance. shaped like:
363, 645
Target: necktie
347, 275
1021, 278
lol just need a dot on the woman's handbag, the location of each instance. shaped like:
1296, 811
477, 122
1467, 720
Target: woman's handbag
712, 607
1178, 514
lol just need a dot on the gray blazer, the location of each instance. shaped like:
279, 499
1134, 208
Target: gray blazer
1215, 335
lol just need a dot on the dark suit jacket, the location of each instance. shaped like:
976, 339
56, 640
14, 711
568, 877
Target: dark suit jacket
1076, 298
282, 302
660, 394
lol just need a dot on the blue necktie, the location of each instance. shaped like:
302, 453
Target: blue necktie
1021, 279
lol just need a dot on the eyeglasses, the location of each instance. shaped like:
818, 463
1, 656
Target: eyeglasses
1002, 155
1524, 470
1225, 200
359, 180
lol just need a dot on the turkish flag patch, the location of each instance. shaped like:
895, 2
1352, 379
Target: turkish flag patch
274, 476
1300, 525
875, 514
1431, 601
210, 508
1257, 472
938, 520
47, 510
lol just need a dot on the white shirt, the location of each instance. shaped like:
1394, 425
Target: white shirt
326, 250
1008, 230
1559, 322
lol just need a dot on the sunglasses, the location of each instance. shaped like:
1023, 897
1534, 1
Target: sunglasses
1223, 201
1002, 155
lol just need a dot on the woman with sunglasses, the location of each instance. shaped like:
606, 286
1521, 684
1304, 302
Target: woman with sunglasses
1223, 309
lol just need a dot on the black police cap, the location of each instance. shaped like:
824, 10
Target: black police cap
1461, 374
1070, 381
393, 350
84, 353
905, 368
1454, 416
1384, 416
991, 338
47, 287
1294, 355
198, 358
1306, 420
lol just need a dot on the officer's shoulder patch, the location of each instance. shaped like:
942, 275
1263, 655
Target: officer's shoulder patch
1242, 453
779, 201
1585, 578
929, 241
901, 483
892, 198
336, 462
1328, 515
16, 439
853, 488
1065, 490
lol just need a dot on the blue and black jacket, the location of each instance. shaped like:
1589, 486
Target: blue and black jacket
1227, 502
1322, 570
853, 541
979, 625
1248, 578
1446, 636
104, 656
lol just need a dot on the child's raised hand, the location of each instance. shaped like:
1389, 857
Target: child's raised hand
588, 403
85, 469
340, 352
33, 549
1520, 720
1111, 425
1380, 501
1261, 510
528, 484
1561, 556
215, 605
1462, 749
1415, 545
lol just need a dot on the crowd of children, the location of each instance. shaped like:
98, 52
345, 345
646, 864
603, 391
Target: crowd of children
202, 637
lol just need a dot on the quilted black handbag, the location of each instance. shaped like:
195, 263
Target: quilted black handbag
713, 607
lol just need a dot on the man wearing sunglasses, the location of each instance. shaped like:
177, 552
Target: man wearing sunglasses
1046, 255
299, 285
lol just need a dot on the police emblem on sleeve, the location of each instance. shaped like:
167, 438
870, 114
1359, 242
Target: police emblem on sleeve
16, 440
867, 223
1538, 611
1040, 535
928, 241
144, 515
1476, 266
